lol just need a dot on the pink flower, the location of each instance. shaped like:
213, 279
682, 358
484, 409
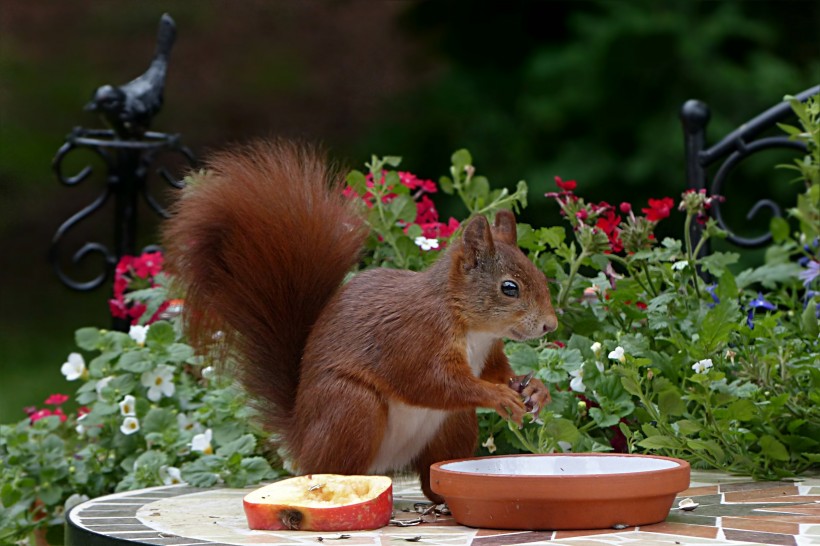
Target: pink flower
625, 207
569, 185
56, 399
658, 209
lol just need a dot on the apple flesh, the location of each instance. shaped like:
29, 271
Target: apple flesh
321, 502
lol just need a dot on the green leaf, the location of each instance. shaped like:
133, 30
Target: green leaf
603, 420
243, 446
180, 352
392, 160
742, 410
524, 358
631, 386
402, 207
460, 159
446, 185
357, 181
136, 361
808, 321
718, 262
659, 442
158, 420
779, 228
88, 338
687, 427
161, 334
773, 449
670, 402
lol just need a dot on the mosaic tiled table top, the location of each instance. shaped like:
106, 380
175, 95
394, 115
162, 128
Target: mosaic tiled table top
731, 511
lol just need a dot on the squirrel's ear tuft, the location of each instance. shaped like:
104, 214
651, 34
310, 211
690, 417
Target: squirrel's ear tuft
478, 241
504, 228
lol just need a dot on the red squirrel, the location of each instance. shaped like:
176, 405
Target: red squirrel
378, 374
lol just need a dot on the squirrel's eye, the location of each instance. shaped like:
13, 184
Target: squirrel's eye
509, 288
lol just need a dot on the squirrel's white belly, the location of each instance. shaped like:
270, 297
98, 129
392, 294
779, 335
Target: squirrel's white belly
409, 429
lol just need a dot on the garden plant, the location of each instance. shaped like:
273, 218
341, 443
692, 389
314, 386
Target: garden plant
660, 348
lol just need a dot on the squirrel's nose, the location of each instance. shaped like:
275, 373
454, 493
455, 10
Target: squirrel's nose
549, 325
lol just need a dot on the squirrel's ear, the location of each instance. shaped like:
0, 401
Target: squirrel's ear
504, 228
478, 241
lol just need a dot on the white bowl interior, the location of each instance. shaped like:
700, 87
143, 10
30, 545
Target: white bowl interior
579, 465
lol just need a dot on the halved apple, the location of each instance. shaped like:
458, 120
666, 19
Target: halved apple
321, 502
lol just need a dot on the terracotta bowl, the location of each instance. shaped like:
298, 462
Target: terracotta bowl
560, 491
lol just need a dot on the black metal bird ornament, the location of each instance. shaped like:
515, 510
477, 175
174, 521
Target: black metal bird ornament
129, 108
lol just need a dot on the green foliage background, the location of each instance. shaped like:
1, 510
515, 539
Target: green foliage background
588, 90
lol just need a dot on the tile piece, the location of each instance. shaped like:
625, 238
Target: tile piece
760, 538
672, 528
760, 524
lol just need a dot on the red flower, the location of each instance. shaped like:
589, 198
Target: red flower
426, 212
56, 399
40, 414
569, 185
413, 182
582, 215
625, 207
608, 223
148, 265
658, 209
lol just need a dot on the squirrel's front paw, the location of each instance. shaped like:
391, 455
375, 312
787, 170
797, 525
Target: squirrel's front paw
508, 404
535, 394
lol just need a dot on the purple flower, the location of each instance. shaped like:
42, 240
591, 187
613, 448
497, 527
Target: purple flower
811, 272
711, 289
758, 303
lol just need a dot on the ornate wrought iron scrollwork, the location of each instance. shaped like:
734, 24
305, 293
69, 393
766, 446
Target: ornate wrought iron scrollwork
129, 152
128, 164
732, 150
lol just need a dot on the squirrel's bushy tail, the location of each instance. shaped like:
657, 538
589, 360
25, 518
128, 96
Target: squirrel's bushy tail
260, 242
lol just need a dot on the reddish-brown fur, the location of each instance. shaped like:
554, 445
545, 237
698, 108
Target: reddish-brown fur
262, 245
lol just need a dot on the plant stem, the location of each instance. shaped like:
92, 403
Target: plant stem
690, 255
573, 270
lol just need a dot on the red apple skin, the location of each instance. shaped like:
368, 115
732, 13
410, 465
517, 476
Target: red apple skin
371, 514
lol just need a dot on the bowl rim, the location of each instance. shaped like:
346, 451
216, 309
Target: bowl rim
679, 463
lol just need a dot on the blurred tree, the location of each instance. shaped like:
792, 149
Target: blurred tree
591, 90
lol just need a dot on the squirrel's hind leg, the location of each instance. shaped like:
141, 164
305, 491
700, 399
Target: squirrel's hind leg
341, 430
456, 439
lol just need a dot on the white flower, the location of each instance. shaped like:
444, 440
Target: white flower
160, 382
425, 243
130, 425
489, 444
80, 428
170, 475
73, 501
702, 366
577, 383
74, 367
617, 354
566, 447
138, 333
188, 425
128, 406
202, 442
101, 384
596, 348
208, 372
599, 365
680, 265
